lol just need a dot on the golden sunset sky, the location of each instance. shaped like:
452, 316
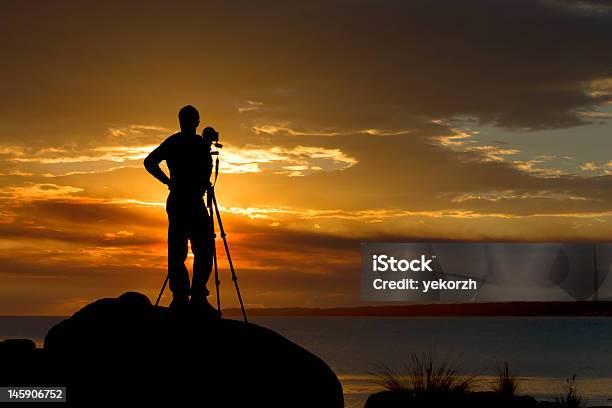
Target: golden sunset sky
343, 122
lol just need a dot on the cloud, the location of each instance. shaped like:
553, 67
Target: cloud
32, 191
589, 166
295, 161
132, 132
118, 154
464, 141
119, 147
250, 106
586, 6
288, 129
110, 236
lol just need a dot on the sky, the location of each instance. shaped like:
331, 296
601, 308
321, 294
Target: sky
342, 122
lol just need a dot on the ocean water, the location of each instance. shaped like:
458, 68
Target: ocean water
542, 351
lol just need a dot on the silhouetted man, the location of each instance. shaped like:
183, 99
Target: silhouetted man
190, 163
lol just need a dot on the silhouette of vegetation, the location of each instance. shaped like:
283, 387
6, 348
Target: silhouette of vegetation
571, 399
424, 377
507, 384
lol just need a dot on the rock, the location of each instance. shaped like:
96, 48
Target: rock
21, 363
17, 346
405, 399
389, 399
123, 350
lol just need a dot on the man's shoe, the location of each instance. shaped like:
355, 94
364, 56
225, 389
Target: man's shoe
201, 306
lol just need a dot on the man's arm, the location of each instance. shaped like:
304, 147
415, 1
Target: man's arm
151, 163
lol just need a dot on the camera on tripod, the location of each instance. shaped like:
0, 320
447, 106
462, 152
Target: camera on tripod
211, 136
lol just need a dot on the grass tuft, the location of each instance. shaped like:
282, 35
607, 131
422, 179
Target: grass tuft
507, 384
571, 399
422, 376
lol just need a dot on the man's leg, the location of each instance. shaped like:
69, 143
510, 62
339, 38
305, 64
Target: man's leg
202, 248
177, 254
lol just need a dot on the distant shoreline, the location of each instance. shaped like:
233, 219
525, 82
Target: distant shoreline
535, 309
568, 309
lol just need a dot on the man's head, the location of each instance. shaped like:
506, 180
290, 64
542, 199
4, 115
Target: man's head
189, 119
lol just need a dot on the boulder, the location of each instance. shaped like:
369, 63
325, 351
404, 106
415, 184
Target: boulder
17, 347
21, 363
125, 350
482, 399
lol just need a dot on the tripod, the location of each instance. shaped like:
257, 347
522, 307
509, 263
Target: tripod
213, 209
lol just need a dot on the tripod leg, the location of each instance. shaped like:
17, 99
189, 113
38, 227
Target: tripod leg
217, 283
229, 258
162, 289
214, 251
